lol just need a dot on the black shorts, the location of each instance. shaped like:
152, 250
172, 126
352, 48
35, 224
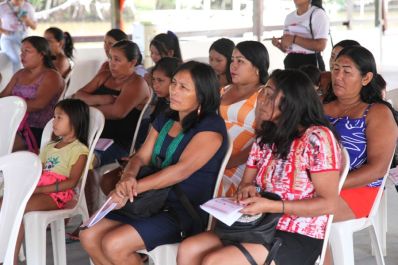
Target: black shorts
295, 60
297, 249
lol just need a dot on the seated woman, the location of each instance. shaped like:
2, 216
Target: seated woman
61, 45
38, 83
367, 126
325, 86
111, 37
120, 94
249, 70
163, 45
295, 156
220, 53
194, 101
162, 74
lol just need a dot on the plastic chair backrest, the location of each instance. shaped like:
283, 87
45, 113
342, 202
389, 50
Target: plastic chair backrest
220, 176
12, 111
21, 172
96, 126
137, 127
376, 203
67, 81
343, 175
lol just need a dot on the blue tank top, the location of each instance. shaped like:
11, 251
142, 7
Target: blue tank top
353, 137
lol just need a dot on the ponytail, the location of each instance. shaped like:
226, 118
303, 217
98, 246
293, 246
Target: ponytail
317, 3
68, 45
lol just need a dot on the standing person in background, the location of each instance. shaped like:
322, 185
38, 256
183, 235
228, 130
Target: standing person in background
61, 45
305, 34
16, 17
220, 53
249, 71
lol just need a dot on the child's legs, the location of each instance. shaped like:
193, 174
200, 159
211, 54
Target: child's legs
38, 202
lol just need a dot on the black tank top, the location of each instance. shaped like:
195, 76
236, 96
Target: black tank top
121, 131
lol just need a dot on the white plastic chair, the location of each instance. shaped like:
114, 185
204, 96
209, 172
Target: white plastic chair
343, 176
167, 254
67, 81
37, 222
21, 172
12, 111
341, 236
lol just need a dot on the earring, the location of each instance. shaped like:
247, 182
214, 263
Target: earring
257, 72
199, 109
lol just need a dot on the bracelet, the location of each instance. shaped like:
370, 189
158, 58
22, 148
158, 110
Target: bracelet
283, 206
294, 39
56, 186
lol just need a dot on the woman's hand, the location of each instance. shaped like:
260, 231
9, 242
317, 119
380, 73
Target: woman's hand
127, 188
286, 41
258, 204
120, 200
246, 191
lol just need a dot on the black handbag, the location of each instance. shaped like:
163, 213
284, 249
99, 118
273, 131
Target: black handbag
147, 203
259, 231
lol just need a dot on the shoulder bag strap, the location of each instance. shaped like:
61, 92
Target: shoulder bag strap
167, 161
276, 244
170, 149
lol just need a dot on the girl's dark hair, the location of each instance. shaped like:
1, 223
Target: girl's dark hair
300, 109
168, 65
117, 34
257, 54
346, 43
207, 92
317, 3
79, 116
41, 45
224, 47
60, 35
165, 42
312, 72
129, 48
365, 63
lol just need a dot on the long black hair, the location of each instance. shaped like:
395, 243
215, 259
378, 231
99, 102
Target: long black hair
130, 49
257, 54
168, 66
207, 91
41, 45
317, 3
165, 42
64, 36
79, 117
224, 47
300, 108
365, 62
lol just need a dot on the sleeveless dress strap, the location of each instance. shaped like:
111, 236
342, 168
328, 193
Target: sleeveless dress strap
365, 113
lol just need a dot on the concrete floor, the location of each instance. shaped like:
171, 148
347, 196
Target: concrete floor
77, 256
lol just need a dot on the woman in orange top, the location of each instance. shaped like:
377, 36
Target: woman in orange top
249, 71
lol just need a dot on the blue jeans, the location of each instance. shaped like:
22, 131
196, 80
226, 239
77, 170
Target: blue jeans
11, 45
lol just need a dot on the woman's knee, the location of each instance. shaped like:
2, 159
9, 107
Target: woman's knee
89, 240
115, 248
